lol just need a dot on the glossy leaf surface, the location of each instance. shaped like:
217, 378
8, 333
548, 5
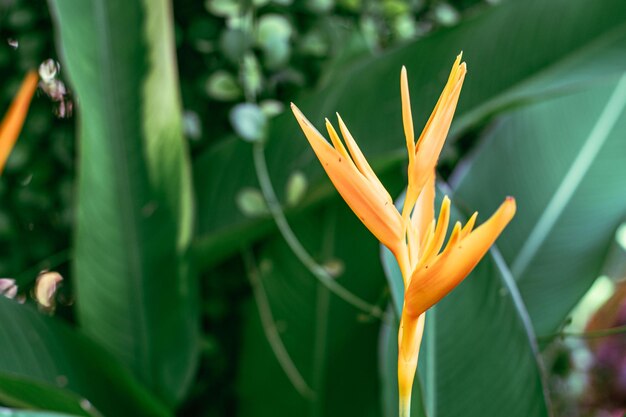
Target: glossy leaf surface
564, 160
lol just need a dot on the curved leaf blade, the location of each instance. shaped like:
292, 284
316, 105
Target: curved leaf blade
28, 393
46, 364
6, 412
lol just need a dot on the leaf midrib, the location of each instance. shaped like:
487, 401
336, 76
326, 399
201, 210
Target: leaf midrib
588, 152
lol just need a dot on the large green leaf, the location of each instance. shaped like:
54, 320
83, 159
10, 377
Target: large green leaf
516, 52
478, 355
45, 364
135, 293
565, 162
29, 393
333, 350
6, 412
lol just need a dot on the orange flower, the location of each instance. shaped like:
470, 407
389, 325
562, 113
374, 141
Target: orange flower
15, 116
413, 236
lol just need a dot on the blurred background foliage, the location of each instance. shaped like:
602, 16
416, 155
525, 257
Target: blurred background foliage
269, 54
240, 64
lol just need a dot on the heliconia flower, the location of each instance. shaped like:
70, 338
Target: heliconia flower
13, 121
414, 236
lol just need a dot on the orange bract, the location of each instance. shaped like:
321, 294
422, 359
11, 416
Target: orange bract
355, 181
414, 236
15, 116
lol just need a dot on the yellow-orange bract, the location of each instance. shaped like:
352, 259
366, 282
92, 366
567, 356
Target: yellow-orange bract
413, 236
14, 119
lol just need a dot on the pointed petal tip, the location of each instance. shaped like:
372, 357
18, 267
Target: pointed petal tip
505, 213
300, 117
511, 205
295, 110
445, 204
342, 124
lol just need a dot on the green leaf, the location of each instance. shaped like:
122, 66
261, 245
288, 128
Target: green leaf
296, 188
234, 43
45, 364
223, 86
564, 162
135, 293
29, 393
273, 34
478, 355
332, 348
251, 202
249, 122
224, 8
6, 412
517, 52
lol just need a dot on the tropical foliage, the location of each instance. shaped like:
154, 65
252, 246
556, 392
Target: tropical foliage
207, 264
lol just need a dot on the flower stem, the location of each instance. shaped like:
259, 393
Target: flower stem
269, 328
294, 244
405, 406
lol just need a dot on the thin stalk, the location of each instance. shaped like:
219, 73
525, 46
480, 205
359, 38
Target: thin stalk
269, 328
294, 244
405, 407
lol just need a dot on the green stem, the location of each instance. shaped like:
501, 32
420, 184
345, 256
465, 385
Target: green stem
269, 328
405, 407
294, 244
